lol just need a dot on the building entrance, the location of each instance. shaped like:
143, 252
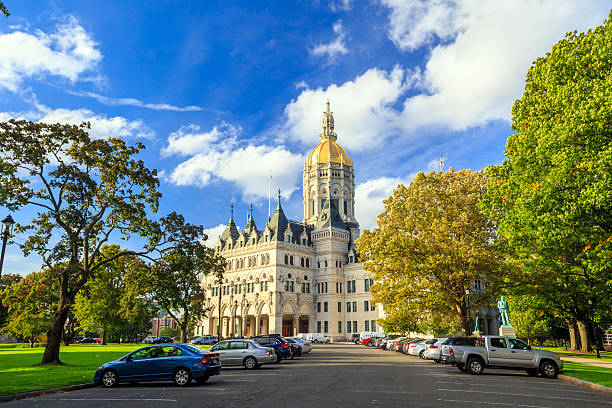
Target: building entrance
303, 324
287, 327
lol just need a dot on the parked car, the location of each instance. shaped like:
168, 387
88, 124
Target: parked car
316, 338
179, 363
306, 346
149, 340
368, 341
163, 340
381, 343
298, 346
504, 352
418, 349
445, 355
247, 353
86, 340
355, 338
405, 344
207, 340
368, 334
433, 351
281, 348
76, 339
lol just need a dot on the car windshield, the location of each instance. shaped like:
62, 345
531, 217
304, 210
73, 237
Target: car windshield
194, 349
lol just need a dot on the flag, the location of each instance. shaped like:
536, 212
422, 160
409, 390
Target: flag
441, 162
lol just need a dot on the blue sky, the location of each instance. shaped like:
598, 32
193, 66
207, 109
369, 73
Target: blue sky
222, 92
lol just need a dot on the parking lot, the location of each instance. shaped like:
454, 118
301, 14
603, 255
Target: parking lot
341, 375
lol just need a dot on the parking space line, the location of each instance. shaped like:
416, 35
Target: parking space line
524, 395
237, 380
114, 399
485, 379
493, 403
566, 389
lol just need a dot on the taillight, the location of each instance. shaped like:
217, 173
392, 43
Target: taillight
284, 345
205, 359
451, 351
412, 345
432, 346
270, 352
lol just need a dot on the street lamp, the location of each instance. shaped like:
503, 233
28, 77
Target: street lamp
7, 229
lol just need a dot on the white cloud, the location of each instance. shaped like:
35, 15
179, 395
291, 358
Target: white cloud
369, 198
473, 74
135, 102
334, 48
213, 233
340, 5
362, 109
217, 155
102, 126
68, 52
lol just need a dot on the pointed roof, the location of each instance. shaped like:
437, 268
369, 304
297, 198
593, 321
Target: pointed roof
250, 225
278, 223
231, 231
328, 125
329, 215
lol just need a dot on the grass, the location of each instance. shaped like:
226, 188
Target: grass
19, 371
605, 355
598, 375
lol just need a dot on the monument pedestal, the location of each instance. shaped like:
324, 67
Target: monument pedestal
507, 331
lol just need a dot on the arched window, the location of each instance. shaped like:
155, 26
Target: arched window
307, 263
291, 260
326, 263
286, 259
319, 264
302, 262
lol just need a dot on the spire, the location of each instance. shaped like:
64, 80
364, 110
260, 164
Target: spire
328, 125
279, 222
230, 230
250, 225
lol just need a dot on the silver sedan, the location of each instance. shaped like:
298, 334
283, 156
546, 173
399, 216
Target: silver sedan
306, 347
246, 353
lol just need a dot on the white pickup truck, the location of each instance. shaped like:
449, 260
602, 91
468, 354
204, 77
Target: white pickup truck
504, 352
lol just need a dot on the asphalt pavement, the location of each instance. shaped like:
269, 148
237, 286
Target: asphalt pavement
336, 375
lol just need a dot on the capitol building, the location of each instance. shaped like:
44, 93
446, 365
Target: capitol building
294, 277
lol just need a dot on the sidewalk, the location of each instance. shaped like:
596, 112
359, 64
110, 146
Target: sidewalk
589, 361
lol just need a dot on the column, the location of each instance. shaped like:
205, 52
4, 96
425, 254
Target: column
296, 322
257, 323
245, 321
232, 327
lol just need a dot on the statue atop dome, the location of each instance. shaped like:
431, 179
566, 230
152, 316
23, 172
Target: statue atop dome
328, 125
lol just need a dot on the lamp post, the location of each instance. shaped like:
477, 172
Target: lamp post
7, 229
220, 282
467, 301
594, 331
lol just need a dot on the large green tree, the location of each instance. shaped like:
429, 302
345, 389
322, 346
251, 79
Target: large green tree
3, 9
6, 280
174, 281
552, 197
85, 190
431, 244
103, 301
30, 303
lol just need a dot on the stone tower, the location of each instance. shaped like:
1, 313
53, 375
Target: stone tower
328, 173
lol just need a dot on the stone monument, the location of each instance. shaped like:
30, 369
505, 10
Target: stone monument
506, 328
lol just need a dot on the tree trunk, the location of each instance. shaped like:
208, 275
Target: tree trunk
54, 336
585, 344
183, 333
465, 320
571, 324
104, 335
32, 341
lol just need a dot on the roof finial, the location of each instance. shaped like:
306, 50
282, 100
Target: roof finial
328, 111
328, 124
279, 195
251, 212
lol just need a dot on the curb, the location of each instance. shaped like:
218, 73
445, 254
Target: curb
583, 383
30, 394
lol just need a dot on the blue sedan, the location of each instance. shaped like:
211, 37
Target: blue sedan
179, 362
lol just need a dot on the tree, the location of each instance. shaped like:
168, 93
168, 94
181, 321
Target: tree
6, 280
103, 300
530, 319
85, 190
171, 332
431, 244
552, 197
30, 304
174, 281
3, 9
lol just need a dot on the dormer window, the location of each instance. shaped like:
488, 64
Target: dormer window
288, 238
253, 241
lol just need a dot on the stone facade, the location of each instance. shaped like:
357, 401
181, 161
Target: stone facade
297, 277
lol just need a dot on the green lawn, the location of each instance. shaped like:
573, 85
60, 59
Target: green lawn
19, 372
605, 355
598, 375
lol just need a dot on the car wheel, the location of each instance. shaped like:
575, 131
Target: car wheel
460, 367
278, 357
181, 376
250, 363
532, 372
110, 378
422, 355
202, 380
548, 369
475, 365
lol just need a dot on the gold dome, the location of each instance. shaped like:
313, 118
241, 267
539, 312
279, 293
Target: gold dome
328, 151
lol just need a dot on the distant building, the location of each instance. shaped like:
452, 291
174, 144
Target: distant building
160, 323
296, 277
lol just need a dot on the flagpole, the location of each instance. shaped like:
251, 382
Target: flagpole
269, 193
